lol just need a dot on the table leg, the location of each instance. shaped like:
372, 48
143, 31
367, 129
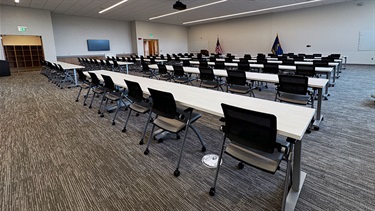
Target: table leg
127, 68
318, 117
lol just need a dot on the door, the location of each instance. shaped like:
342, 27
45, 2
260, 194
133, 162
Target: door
150, 47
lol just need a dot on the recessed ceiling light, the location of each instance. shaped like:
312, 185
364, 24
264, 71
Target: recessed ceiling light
193, 8
115, 5
17, 1
250, 12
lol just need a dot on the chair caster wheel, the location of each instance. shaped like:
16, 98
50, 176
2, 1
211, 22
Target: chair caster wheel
124, 130
76, 100
240, 165
203, 149
90, 107
113, 123
85, 104
308, 131
101, 115
146, 152
99, 112
316, 128
212, 192
137, 114
176, 173
178, 136
141, 142
160, 140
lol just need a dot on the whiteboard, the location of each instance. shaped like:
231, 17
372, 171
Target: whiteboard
366, 40
197, 46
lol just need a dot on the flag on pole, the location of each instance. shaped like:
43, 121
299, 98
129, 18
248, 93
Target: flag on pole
276, 47
218, 49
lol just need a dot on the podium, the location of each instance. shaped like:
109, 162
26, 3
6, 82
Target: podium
4, 68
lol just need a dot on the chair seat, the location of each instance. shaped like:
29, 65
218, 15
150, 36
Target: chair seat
175, 125
84, 86
98, 90
294, 98
266, 161
181, 80
114, 96
137, 107
165, 77
239, 89
209, 84
171, 125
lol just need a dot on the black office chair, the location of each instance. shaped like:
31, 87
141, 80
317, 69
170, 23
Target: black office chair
179, 75
171, 119
288, 62
208, 79
229, 60
306, 70
212, 59
243, 67
335, 56
186, 63
203, 63
111, 92
163, 73
271, 68
84, 83
97, 89
139, 104
254, 141
247, 56
146, 71
317, 55
294, 89
219, 65
319, 63
237, 83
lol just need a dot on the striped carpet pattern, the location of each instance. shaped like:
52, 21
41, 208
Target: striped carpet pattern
56, 154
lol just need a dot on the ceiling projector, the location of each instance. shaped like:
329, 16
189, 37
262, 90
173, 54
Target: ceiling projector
179, 6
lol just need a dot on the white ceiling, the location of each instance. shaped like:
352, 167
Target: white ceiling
144, 9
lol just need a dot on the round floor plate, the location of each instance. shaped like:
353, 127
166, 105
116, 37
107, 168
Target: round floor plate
210, 160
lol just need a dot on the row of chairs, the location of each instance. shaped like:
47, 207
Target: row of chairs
95, 64
253, 135
57, 74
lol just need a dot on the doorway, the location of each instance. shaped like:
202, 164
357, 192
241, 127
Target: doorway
151, 47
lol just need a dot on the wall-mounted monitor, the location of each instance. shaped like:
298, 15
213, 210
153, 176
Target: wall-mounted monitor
98, 45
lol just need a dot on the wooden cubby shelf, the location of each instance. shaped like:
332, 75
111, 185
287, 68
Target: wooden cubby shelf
23, 56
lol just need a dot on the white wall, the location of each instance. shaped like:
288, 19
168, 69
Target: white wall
71, 34
172, 38
38, 22
328, 29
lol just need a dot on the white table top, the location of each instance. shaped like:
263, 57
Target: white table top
68, 66
292, 120
265, 77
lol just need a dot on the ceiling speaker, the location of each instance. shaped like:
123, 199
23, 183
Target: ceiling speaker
179, 6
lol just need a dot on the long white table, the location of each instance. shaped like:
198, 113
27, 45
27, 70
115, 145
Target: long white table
68, 66
292, 120
317, 83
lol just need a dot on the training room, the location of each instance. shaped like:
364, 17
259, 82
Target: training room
187, 105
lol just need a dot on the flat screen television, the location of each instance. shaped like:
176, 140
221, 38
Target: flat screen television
98, 45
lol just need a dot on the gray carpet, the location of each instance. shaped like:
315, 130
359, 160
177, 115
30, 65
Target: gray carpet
56, 154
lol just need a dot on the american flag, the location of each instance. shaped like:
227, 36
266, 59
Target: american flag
218, 49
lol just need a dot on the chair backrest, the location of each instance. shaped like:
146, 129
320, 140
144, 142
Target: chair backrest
244, 66
236, 77
230, 60
309, 56
82, 77
152, 61
298, 58
261, 56
290, 54
220, 65
320, 63
94, 79
288, 62
317, 55
123, 59
163, 103
294, 84
335, 56
186, 63
145, 67
305, 70
212, 59
135, 92
203, 63
271, 68
261, 61
108, 82
115, 64
328, 59
247, 56
250, 129
162, 69
301, 55
244, 60
206, 74
178, 70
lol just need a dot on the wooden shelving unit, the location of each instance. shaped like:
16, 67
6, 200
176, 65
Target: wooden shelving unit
23, 56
